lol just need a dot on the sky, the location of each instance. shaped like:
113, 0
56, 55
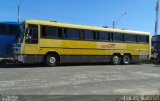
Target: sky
140, 13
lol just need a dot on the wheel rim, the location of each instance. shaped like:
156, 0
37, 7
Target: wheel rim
126, 59
116, 59
52, 60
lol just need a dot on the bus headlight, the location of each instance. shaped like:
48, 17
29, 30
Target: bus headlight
20, 58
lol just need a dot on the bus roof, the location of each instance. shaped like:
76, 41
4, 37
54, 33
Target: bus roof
8, 22
58, 24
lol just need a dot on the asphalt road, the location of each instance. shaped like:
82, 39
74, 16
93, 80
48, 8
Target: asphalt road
79, 80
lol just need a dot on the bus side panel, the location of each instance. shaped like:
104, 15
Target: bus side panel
93, 51
75, 51
137, 51
6, 43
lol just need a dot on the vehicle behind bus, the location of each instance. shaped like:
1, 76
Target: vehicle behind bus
156, 49
8, 32
54, 42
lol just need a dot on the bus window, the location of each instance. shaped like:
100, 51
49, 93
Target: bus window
65, 34
103, 36
32, 35
3, 29
73, 34
142, 39
130, 38
117, 37
51, 32
89, 35
12, 29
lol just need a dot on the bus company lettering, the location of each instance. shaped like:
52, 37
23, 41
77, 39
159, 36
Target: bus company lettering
108, 46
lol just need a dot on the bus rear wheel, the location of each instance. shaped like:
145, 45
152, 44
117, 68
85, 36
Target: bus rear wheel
51, 60
116, 59
126, 59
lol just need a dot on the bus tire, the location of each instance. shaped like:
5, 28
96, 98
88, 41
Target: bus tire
51, 60
126, 59
116, 59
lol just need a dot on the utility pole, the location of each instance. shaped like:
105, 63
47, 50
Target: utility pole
113, 24
157, 16
19, 10
116, 23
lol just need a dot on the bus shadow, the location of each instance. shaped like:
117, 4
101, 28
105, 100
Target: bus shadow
15, 65
18, 65
83, 64
156, 65
93, 64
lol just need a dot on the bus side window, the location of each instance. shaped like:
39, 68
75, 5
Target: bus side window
142, 39
73, 34
89, 35
32, 36
130, 38
65, 33
103, 36
117, 37
51, 32
111, 37
43, 32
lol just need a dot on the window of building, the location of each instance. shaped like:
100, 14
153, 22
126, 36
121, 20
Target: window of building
89, 35
117, 37
130, 38
51, 32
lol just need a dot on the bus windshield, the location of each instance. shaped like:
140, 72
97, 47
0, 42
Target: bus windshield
21, 34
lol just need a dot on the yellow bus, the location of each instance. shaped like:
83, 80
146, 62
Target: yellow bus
54, 42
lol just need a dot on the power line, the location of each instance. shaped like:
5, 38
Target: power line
116, 23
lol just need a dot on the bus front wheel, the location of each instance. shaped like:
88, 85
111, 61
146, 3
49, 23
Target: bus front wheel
51, 60
126, 59
116, 59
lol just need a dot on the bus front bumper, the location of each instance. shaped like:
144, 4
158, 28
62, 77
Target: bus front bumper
20, 58
29, 58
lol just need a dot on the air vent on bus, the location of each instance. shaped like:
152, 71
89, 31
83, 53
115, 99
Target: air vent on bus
105, 27
53, 21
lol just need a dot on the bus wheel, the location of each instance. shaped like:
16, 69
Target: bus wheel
116, 59
51, 60
126, 59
